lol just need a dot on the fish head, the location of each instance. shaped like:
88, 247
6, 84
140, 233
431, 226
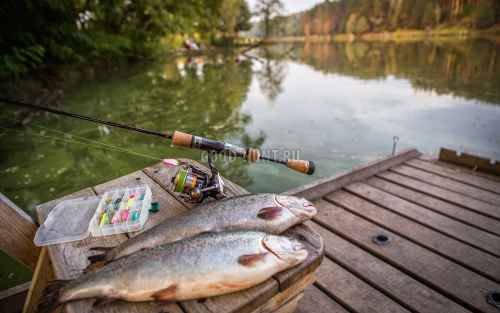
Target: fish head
287, 250
299, 207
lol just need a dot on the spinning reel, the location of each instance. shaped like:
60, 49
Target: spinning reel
195, 185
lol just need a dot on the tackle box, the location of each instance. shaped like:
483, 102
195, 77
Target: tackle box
116, 211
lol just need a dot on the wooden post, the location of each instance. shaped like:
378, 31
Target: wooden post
17, 231
42, 275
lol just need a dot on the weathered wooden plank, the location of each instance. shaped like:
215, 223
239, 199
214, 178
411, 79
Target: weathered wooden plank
41, 276
474, 180
454, 281
470, 161
70, 259
281, 298
462, 169
323, 186
317, 301
478, 260
448, 184
481, 207
453, 211
13, 299
16, 233
352, 292
397, 284
169, 206
439, 223
290, 306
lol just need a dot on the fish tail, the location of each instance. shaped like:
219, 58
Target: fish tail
51, 296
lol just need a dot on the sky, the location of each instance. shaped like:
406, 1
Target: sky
292, 6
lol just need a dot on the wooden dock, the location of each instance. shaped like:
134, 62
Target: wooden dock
408, 234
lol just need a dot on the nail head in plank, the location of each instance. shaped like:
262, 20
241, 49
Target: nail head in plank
449, 278
381, 199
407, 290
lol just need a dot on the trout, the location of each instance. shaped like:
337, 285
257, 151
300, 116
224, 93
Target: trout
268, 213
199, 267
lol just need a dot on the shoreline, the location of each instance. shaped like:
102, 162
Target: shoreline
396, 36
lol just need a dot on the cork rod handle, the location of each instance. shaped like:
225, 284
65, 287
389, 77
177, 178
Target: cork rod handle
303, 166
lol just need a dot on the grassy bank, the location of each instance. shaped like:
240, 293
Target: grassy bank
454, 33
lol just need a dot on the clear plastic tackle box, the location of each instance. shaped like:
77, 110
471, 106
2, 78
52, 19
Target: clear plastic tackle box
115, 212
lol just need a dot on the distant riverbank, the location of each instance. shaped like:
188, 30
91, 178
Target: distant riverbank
492, 33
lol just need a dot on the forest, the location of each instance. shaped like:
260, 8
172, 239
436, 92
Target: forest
36, 33
362, 16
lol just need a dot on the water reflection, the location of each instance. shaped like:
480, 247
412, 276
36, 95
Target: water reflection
468, 69
337, 104
271, 71
54, 155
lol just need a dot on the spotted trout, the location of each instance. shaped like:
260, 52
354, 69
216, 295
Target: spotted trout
199, 267
268, 213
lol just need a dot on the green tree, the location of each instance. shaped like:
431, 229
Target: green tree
484, 14
243, 21
61, 31
268, 10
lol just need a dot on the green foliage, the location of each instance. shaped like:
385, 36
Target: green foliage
268, 10
243, 21
484, 14
36, 33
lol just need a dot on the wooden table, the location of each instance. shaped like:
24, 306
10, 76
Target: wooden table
281, 293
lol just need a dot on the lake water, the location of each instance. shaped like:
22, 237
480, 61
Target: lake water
339, 105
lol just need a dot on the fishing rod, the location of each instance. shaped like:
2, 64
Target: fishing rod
182, 139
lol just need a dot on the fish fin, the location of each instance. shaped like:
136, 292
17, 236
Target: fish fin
270, 213
100, 302
50, 297
166, 294
251, 259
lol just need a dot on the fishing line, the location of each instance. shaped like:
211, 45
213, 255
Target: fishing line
95, 144
182, 139
110, 146
86, 118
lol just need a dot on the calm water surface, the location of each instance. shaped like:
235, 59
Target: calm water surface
337, 104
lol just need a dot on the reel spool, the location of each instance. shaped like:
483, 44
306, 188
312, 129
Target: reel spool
195, 185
